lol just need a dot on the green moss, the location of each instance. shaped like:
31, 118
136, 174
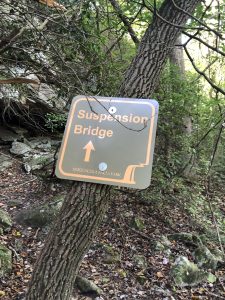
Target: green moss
5, 220
5, 260
186, 273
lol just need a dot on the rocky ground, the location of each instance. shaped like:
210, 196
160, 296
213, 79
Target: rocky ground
143, 250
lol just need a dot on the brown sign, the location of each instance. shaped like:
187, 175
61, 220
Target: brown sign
109, 141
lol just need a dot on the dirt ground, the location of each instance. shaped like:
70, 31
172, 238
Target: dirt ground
120, 279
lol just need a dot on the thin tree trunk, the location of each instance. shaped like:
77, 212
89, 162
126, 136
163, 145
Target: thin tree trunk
84, 207
176, 56
177, 68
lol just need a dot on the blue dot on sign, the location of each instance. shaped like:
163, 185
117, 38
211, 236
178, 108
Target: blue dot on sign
102, 166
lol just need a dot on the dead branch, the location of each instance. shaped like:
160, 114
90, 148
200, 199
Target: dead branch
18, 80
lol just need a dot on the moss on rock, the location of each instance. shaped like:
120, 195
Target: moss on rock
5, 260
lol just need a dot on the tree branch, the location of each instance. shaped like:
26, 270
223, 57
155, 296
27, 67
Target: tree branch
18, 80
156, 13
217, 88
197, 20
125, 21
193, 36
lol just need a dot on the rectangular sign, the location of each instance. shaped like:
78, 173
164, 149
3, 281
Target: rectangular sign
109, 141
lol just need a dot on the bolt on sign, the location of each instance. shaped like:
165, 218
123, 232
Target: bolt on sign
109, 141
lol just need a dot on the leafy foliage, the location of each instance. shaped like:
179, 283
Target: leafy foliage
55, 122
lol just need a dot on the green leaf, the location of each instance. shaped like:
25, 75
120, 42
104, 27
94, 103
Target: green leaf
211, 278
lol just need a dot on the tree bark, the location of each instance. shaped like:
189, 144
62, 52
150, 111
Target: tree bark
176, 56
157, 43
84, 207
68, 241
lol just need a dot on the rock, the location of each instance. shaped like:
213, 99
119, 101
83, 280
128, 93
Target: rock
41, 155
27, 168
111, 256
159, 246
5, 162
163, 292
204, 258
5, 260
186, 238
137, 223
19, 148
7, 135
19, 130
39, 142
43, 215
37, 161
47, 94
86, 286
186, 273
163, 244
5, 220
140, 261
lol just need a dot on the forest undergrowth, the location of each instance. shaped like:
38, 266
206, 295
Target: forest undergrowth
133, 254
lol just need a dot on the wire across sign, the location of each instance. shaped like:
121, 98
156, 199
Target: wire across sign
109, 141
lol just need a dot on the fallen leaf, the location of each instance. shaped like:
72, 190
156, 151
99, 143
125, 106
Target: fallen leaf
52, 3
2, 293
159, 275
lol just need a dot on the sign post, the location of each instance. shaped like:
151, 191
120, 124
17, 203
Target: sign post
109, 141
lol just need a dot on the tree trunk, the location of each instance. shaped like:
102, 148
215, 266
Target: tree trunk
176, 56
68, 241
155, 47
84, 207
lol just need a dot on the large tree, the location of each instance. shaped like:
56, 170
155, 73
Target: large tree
86, 203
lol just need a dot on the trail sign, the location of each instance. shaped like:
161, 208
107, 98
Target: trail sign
109, 141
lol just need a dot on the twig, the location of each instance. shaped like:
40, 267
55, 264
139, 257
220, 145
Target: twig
215, 295
54, 162
17, 185
156, 13
14, 251
221, 283
143, 235
36, 233
193, 36
197, 20
113, 116
12, 39
217, 88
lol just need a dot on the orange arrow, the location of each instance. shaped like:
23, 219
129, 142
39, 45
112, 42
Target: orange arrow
89, 147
